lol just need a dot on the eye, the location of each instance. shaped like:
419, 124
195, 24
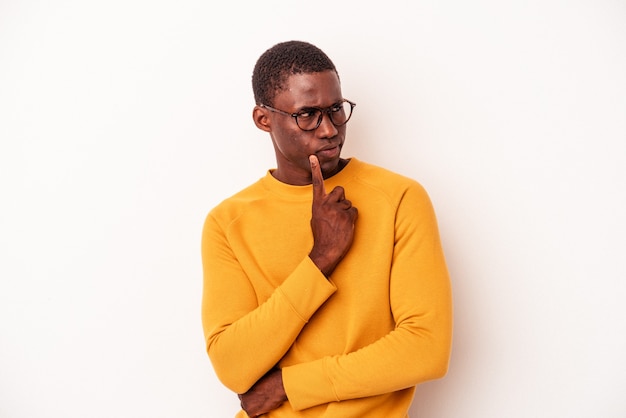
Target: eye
307, 114
337, 107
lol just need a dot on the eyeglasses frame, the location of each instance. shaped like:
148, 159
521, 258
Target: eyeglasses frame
322, 112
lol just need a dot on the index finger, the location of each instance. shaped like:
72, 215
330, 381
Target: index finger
317, 178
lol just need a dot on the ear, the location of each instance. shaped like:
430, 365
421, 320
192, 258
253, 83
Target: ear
261, 118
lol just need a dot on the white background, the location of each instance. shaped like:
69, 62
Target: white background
122, 123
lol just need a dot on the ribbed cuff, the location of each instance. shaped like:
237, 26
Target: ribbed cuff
307, 289
308, 385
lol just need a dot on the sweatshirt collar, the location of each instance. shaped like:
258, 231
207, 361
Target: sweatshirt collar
305, 192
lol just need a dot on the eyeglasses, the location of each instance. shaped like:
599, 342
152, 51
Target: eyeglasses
310, 118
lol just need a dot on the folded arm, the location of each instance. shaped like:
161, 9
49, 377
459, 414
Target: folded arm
418, 349
245, 338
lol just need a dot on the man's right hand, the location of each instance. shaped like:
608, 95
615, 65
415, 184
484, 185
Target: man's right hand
266, 395
332, 222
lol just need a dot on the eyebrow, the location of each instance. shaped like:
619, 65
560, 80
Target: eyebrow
305, 108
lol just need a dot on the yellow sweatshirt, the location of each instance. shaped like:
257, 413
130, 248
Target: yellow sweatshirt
353, 345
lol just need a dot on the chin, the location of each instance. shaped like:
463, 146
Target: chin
330, 167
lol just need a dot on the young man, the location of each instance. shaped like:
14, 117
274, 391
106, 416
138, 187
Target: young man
326, 292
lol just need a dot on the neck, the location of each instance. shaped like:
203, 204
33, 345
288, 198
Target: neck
305, 179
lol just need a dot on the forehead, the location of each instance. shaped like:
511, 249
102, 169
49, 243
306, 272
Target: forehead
309, 89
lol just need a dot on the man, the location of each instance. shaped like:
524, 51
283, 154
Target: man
312, 307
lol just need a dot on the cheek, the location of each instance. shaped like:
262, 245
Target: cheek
293, 148
294, 143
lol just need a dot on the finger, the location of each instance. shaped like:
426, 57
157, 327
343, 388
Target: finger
345, 203
317, 178
355, 213
338, 194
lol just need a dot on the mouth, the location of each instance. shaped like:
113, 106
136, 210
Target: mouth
329, 152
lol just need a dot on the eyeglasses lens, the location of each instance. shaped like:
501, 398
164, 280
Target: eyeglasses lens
339, 115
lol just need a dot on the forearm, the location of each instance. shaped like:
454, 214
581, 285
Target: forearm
244, 346
407, 356
417, 349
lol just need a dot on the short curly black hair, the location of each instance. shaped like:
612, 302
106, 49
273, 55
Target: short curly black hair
282, 60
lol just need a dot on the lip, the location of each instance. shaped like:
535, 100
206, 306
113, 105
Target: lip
329, 152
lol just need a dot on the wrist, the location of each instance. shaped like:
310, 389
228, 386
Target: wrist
281, 386
325, 265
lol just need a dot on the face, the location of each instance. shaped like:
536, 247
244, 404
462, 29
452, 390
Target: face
292, 145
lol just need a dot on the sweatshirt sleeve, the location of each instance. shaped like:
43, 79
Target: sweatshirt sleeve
418, 348
245, 339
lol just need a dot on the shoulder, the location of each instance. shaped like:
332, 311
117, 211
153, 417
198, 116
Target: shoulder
233, 206
405, 197
386, 182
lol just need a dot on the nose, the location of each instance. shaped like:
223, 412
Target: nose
327, 128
